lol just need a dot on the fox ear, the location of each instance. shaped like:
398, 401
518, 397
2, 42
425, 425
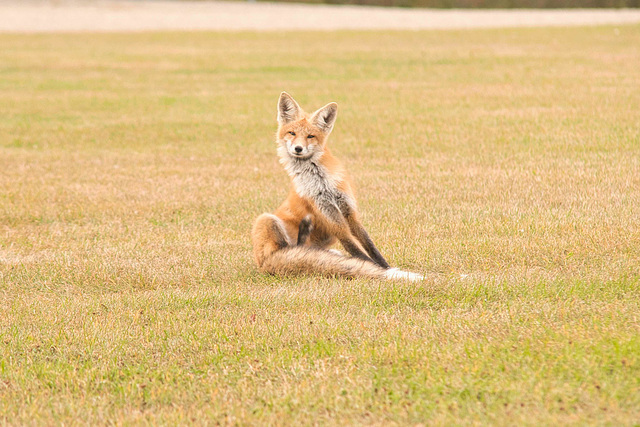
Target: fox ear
325, 117
288, 109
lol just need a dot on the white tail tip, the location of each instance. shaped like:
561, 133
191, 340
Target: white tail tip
395, 274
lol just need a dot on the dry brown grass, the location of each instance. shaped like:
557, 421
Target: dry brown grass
505, 165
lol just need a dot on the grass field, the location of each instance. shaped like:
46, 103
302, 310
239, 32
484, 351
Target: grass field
503, 164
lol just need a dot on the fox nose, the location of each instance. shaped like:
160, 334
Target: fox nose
298, 149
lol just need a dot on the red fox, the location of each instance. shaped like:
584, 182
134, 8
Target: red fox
320, 209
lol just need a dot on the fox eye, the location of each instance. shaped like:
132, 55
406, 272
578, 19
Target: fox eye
292, 133
310, 136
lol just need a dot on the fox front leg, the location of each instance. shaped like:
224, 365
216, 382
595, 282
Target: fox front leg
353, 248
350, 215
342, 231
363, 237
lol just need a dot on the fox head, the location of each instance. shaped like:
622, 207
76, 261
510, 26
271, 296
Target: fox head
300, 135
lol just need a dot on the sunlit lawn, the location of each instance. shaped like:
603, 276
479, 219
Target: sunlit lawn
503, 164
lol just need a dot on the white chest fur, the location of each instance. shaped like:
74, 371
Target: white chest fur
313, 181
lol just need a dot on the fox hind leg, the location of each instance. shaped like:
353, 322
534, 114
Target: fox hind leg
268, 235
